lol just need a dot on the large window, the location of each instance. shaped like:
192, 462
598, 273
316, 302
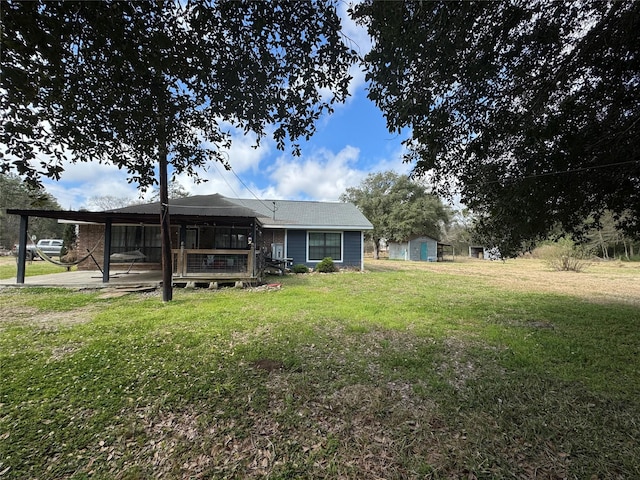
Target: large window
325, 244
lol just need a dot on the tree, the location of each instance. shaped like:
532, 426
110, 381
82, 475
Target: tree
70, 239
459, 232
146, 85
605, 238
108, 202
530, 109
174, 190
14, 193
398, 208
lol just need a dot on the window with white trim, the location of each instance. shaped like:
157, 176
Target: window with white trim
324, 244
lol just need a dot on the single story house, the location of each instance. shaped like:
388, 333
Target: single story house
215, 238
417, 248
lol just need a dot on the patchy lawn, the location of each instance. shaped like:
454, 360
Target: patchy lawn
9, 269
468, 369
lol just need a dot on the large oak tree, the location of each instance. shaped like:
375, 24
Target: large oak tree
398, 208
156, 86
531, 109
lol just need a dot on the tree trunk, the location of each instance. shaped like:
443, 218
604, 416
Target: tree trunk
376, 248
165, 227
165, 224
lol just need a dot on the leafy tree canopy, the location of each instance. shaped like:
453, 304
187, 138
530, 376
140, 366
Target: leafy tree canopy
398, 207
14, 193
119, 82
149, 84
530, 109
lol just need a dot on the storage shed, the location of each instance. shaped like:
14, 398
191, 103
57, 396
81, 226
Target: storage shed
421, 248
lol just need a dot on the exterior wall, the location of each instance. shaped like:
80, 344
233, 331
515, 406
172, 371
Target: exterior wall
295, 242
352, 249
88, 237
398, 250
296, 248
415, 249
91, 235
272, 236
412, 250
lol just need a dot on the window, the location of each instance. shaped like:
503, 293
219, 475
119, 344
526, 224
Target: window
232, 238
325, 244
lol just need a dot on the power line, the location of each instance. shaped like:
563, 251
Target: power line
561, 172
250, 191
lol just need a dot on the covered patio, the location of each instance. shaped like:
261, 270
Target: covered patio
212, 241
88, 279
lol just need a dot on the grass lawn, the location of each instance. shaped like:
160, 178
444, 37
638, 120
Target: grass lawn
462, 370
9, 269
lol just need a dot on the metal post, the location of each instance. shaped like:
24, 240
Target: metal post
107, 252
22, 248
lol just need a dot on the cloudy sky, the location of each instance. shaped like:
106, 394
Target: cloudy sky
348, 145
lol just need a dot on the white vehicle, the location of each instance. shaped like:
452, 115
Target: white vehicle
49, 246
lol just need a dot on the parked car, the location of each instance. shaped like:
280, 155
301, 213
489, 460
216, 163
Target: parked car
49, 246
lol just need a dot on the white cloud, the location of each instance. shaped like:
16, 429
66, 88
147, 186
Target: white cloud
243, 155
394, 162
81, 181
323, 175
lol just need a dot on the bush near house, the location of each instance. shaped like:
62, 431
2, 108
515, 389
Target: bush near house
326, 266
300, 268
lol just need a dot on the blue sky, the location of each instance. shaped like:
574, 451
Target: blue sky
347, 146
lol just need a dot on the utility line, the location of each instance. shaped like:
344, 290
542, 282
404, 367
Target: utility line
250, 191
561, 172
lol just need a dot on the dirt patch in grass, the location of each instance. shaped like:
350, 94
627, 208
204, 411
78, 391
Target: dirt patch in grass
35, 317
17, 314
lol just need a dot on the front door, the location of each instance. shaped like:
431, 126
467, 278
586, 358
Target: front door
191, 240
423, 251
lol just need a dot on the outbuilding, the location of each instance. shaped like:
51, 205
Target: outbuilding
418, 248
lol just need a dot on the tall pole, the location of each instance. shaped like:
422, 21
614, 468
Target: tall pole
165, 224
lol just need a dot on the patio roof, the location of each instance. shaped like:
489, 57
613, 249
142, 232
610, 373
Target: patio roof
190, 210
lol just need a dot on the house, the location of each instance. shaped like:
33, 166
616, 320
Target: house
418, 248
215, 238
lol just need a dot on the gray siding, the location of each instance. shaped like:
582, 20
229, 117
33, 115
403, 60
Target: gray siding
397, 250
415, 247
412, 249
297, 246
351, 242
352, 254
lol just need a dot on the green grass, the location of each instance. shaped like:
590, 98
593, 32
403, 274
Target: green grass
8, 268
392, 374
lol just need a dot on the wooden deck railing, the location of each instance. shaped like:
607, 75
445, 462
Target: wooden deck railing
214, 264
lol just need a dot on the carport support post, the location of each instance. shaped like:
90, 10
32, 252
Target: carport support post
22, 248
107, 252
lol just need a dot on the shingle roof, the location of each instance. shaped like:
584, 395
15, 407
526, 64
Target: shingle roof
199, 205
294, 213
288, 213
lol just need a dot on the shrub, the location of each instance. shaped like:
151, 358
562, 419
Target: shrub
565, 255
326, 266
300, 268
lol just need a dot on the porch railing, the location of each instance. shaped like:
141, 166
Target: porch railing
214, 263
